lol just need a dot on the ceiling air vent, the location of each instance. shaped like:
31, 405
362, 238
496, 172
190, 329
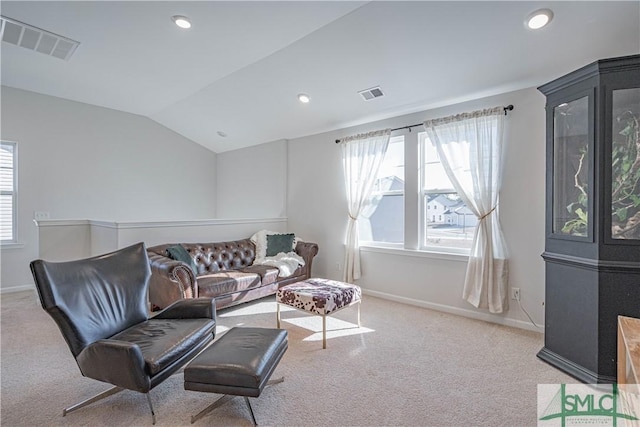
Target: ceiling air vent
29, 37
369, 94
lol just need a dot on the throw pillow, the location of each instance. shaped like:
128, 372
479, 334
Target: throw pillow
277, 243
179, 253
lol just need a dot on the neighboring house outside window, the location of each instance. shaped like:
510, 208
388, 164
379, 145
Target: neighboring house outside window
386, 222
8, 192
449, 224
439, 221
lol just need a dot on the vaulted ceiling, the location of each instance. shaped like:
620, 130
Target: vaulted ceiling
238, 70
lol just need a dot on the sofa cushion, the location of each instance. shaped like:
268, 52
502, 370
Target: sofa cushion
226, 282
277, 243
259, 239
179, 253
158, 354
267, 273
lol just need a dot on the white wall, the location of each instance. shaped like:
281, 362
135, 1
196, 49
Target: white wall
135, 169
78, 161
252, 182
317, 209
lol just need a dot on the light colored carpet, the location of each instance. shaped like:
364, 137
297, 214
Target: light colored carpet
406, 366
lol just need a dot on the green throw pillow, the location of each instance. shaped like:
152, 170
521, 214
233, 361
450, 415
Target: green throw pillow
179, 253
277, 243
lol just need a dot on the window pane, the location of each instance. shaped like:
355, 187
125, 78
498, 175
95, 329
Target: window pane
447, 221
7, 187
625, 170
6, 217
391, 173
434, 177
386, 221
6, 179
571, 168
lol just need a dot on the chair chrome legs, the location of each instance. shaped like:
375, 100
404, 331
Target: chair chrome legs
253, 417
153, 414
91, 400
227, 397
106, 393
273, 382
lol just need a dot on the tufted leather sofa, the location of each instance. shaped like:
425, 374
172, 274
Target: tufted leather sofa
225, 271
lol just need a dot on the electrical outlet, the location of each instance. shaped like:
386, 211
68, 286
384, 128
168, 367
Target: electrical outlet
515, 294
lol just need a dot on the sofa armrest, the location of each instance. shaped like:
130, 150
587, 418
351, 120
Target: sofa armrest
98, 360
198, 308
170, 281
307, 250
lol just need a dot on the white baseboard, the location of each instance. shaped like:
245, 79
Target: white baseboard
22, 288
491, 318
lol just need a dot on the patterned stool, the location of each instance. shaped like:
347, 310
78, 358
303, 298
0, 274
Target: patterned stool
319, 296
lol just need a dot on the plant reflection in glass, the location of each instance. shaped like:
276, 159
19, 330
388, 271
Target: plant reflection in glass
625, 162
571, 168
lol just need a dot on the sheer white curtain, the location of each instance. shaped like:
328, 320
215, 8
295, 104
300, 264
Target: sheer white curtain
361, 159
470, 149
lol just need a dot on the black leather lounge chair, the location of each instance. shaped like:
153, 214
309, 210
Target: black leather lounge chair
100, 305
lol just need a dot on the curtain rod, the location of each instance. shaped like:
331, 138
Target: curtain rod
507, 108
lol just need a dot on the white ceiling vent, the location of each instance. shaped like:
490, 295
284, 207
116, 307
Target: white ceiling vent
369, 94
33, 38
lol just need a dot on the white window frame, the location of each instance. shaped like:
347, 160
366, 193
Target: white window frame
13, 193
415, 211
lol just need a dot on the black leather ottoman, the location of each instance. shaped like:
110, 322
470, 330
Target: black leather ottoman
238, 364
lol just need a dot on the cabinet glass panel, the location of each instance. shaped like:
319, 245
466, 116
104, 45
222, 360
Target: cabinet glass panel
625, 162
571, 168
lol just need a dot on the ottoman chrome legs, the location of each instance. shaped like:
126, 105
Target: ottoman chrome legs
227, 397
324, 325
324, 320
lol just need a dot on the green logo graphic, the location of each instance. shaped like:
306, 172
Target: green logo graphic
589, 404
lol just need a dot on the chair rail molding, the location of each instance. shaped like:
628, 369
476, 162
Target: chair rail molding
65, 239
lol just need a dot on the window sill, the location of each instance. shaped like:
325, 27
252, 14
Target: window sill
12, 245
448, 256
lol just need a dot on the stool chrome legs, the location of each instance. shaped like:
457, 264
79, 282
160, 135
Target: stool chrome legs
324, 319
324, 332
253, 417
224, 399
227, 397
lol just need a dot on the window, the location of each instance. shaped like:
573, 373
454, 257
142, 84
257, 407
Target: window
8, 192
385, 222
454, 224
417, 205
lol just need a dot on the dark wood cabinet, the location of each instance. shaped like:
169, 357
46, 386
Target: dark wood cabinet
592, 244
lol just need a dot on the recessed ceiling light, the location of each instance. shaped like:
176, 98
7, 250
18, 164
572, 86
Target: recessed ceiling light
539, 19
181, 21
222, 134
304, 98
